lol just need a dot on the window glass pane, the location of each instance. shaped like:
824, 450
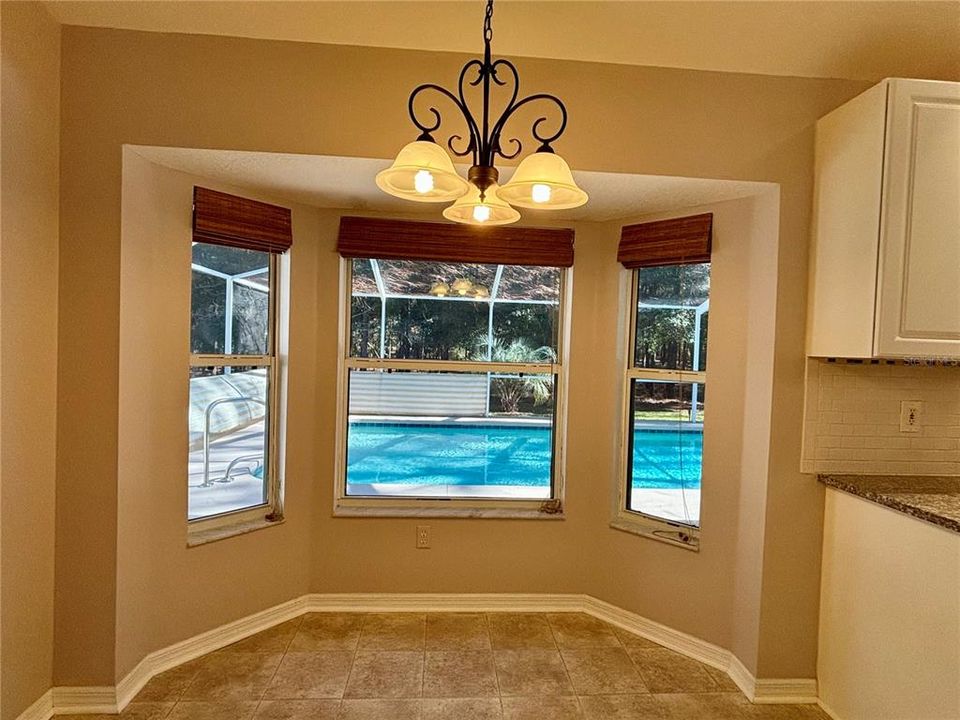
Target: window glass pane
519, 282
441, 434
235, 282
524, 332
671, 305
435, 329
442, 311
228, 426
363, 280
666, 453
418, 278
365, 326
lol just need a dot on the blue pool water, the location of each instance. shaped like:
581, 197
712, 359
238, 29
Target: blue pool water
502, 455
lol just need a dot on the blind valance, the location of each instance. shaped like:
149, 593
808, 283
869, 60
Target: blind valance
411, 240
677, 241
224, 219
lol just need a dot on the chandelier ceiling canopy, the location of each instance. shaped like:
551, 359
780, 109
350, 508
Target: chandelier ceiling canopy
423, 170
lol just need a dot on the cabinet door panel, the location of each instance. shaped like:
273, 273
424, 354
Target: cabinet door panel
919, 308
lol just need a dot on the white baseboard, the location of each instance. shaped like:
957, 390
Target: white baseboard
680, 642
444, 602
107, 700
768, 691
192, 648
42, 709
84, 700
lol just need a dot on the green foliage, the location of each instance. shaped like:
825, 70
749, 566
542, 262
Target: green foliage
512, 391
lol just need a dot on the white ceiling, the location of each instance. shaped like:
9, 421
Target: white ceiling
344, 182
863, 40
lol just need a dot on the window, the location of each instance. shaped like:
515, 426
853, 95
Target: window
665, 388
452, 384
233, 469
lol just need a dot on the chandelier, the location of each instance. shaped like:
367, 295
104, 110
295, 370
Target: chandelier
424, 172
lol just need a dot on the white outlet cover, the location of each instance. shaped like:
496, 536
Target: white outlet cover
910, 412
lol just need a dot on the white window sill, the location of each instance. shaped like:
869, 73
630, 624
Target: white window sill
421, 511
200, 534
676, 535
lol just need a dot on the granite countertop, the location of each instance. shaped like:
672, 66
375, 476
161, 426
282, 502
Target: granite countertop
935, 499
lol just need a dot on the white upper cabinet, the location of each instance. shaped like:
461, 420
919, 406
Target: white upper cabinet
885, 253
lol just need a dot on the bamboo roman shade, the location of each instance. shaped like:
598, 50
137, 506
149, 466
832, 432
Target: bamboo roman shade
409, 240
224, 219
678, 241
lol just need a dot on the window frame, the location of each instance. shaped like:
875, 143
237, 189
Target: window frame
635, 521
213, 527
395, 506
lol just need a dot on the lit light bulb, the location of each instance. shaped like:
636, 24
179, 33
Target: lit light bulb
423, 181
540, 193
481, 213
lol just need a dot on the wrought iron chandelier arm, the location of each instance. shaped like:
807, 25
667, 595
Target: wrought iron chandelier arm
544, 140
427, 128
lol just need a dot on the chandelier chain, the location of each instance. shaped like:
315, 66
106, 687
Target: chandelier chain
488, 22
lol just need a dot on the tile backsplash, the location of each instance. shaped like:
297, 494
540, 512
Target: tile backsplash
852, 419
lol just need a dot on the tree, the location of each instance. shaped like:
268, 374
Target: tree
512, 391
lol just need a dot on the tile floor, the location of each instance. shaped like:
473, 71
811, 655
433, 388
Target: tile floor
449, 666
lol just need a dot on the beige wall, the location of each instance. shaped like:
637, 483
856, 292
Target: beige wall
579, 555
126, 87
890, 624
227, 579
28, 353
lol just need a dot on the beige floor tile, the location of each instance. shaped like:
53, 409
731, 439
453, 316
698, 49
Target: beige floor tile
664, 671
622, 707
457, 631
232, 676
311, 675
297, 710
327, 632
187, 710
273, 640
461, 709
514, 631
715, 706
573, 630
393, 631
783, 712
133, 711
602, 671
531, 672
723, 681
379, 710
630, 640
459, 674
169, 686
386, 675
541, 708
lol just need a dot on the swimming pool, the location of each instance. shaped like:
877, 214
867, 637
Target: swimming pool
501, 455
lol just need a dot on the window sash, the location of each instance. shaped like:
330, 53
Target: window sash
274, 496
624, 518
489, 507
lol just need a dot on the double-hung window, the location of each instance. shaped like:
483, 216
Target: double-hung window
233, 468
665, 377
452, 374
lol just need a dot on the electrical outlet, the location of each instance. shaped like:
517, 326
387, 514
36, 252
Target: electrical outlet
910, 416
423, 537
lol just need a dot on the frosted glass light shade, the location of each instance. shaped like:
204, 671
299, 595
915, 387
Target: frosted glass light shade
492, 211
543, 180
423, 171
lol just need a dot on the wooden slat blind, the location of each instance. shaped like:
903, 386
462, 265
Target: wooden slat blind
410, 240
678, 241
224, 219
